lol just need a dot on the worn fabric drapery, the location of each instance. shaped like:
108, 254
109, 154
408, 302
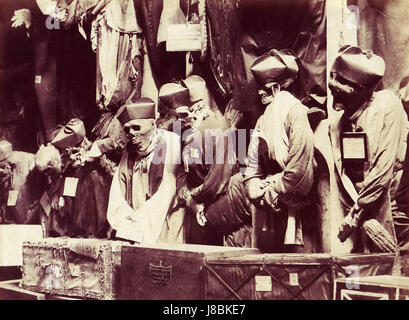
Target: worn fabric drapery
241, 31
384, 29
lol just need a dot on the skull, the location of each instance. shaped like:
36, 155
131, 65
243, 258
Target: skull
194, 115
348, 96
140, 133
48, 159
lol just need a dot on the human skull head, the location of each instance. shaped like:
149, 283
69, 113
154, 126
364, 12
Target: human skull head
194, 115
140, 132
48, 159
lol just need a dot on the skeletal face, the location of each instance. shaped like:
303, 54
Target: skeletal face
192, 116
48, 160
267, 92
348, 96
265, 96
140, 132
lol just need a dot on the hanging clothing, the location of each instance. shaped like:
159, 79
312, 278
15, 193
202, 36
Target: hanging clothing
117, 41
148, 14
240, 31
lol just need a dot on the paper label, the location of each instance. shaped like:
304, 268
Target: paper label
70, 187
263, 283
45, 202
12, 198
354, 146
37, 79
294, 279
184, 37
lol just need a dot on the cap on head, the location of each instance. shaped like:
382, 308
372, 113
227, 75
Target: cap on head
186, 93
361, 67
275, 67
5, 150
197, 88
69, 135
143, 108
174, 95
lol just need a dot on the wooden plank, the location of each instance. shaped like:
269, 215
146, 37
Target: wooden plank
10, 290
386, 281
190, 250
275, 258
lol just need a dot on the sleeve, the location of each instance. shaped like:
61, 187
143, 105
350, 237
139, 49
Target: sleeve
253, 167
380, 174
119, 211
221, 170
297, 176
152, 215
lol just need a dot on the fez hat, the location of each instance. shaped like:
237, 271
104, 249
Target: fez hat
143, 108
5, 150
275, 66
361, 67
69, 135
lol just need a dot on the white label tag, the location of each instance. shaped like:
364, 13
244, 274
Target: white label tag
354, 146
70, 187
12, 199
294, 279
45, 202
37, 79
184, 37
263, 283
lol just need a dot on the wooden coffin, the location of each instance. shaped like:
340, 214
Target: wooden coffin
372, 288
287, 276
85, 268
169, 272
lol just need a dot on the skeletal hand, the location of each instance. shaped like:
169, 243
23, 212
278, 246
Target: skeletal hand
21, 17
200, 215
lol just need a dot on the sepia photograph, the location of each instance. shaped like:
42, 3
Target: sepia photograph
212, 151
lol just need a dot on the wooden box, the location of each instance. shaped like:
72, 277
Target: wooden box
10, 290
86, 268
169, 272
287, 276
12, 237
372, 288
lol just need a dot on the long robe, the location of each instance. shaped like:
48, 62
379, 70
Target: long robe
282, 148
384, 122
209, 156
151, 197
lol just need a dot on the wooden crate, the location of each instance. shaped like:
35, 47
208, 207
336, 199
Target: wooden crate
372, 288
169, 272
287, 276
10, 290
85, 268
